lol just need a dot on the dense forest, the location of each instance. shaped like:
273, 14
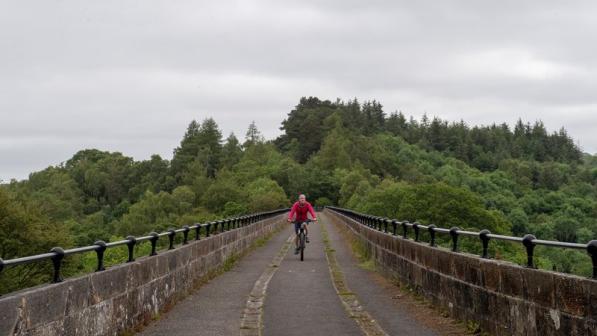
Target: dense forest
509, 180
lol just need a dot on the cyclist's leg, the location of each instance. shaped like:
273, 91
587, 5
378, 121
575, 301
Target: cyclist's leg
296, 237
307, 232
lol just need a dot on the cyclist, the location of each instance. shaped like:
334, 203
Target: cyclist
301, 209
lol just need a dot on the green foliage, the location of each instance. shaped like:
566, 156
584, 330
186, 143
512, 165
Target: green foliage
265, 194
510, 181
24, 231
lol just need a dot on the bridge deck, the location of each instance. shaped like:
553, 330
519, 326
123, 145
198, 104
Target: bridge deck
300, 297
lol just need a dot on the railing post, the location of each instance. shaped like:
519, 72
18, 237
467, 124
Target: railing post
591, 248
454, 235
100, 254
385, 224
207, 227
527, 241
416, 228
394, 224
171, 234
404, 230
197, 231
154, 240
431, 229
1, 265
131, 245
185, 234
215, 224
57, 262
485, 241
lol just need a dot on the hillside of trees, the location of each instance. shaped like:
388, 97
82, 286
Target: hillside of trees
509, 180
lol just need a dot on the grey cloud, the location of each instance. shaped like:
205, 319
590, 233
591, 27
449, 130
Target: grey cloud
130, 75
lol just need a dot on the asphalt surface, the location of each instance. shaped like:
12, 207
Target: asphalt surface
216, 308
300, 298
393, 319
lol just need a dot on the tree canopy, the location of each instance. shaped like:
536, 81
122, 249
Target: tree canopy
510, 180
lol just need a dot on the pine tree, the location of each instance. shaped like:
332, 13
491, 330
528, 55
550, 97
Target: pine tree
231, 151
253, 136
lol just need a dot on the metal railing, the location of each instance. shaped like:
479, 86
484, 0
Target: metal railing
57, 254
529, 241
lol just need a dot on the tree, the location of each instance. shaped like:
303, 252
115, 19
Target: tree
253, 136
265, 194
231, 151
25, 231
304, 124
201, 143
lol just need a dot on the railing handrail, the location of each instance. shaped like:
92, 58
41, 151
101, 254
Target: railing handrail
529, 241
56, 254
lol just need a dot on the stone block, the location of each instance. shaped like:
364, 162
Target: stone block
459, 267
571, 295
592, 300
473, 274
521, 320
539, 287
51, 328
162, 266
491, 274
108, 283
78, 294
548, 321
93, 320
511, 280
45, 304
11, 314
479, 305
444, 262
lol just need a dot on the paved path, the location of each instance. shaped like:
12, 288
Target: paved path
301, 299
394, 319
300, 296
216, 308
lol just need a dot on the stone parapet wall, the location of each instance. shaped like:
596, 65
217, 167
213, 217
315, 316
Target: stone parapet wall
504, 298
127, 295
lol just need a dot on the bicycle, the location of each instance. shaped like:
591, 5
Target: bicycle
302, 238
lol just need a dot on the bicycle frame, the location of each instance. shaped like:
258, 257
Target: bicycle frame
302, 238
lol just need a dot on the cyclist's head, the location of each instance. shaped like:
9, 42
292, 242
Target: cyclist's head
302, 199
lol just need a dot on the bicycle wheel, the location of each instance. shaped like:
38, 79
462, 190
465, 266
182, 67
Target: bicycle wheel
302, 246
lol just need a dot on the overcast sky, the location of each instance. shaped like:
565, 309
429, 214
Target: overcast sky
129, 76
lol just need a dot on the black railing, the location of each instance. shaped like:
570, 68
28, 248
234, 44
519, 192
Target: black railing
528, 241
57, 254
